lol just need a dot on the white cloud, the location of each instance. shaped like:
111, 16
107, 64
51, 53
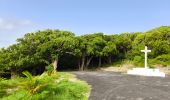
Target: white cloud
13, 24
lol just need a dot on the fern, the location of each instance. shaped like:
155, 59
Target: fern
44, 87
28, 75
32, 85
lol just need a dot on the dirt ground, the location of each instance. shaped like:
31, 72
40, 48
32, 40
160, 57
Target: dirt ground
116, 86
125, 68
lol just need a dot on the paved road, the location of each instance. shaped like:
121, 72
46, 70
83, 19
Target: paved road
116, 86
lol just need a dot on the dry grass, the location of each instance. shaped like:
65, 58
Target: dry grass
166, 70
123, 68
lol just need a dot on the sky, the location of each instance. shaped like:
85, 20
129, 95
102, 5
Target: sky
18, 17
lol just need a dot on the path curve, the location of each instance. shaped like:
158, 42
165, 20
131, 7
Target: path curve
116, 86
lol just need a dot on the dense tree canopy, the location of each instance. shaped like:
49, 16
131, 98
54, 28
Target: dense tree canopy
64, 50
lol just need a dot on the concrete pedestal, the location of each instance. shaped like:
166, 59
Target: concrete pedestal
146, 72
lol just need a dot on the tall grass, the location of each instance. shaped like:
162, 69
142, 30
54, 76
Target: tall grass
60, 86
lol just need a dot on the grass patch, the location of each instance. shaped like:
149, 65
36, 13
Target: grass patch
61, 86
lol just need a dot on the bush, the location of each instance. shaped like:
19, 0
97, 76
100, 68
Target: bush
162, 60
49, 69
138, 61
59, 87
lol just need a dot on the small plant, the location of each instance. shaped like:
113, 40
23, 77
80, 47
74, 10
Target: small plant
137, 59
32, 85
49, 69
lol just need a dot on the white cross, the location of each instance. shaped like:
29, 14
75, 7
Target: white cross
145, 51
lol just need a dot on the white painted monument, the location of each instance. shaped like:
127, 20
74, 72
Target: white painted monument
146, 71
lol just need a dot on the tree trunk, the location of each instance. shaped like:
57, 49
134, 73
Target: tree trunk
100, 62
88, 61
82, 63
79, 64
110, 59
13, 73
55, 65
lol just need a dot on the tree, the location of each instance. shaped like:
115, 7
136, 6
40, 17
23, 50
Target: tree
89, 47
110, 49
84, 51
123, 44
42, 48
60, 42
36, 49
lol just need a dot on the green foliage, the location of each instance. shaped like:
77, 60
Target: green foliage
45, 87
43, 48
110, 46
49, 69
28, 75
163, 58
32, 85
161, 61
72, 90
138, 61
7, 87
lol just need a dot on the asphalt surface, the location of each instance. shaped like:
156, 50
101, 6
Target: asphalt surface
116, 86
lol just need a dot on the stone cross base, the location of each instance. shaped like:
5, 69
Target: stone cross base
146, 72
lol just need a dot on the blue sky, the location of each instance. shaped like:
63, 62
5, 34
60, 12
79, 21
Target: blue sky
18, 17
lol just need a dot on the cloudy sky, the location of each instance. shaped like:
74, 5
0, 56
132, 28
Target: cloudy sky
18, 17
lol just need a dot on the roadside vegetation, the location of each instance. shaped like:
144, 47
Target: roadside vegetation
62, 50
60, 86
52, 50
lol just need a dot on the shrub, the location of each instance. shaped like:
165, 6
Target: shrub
58, 86
49, 69
162, 60
138, 61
